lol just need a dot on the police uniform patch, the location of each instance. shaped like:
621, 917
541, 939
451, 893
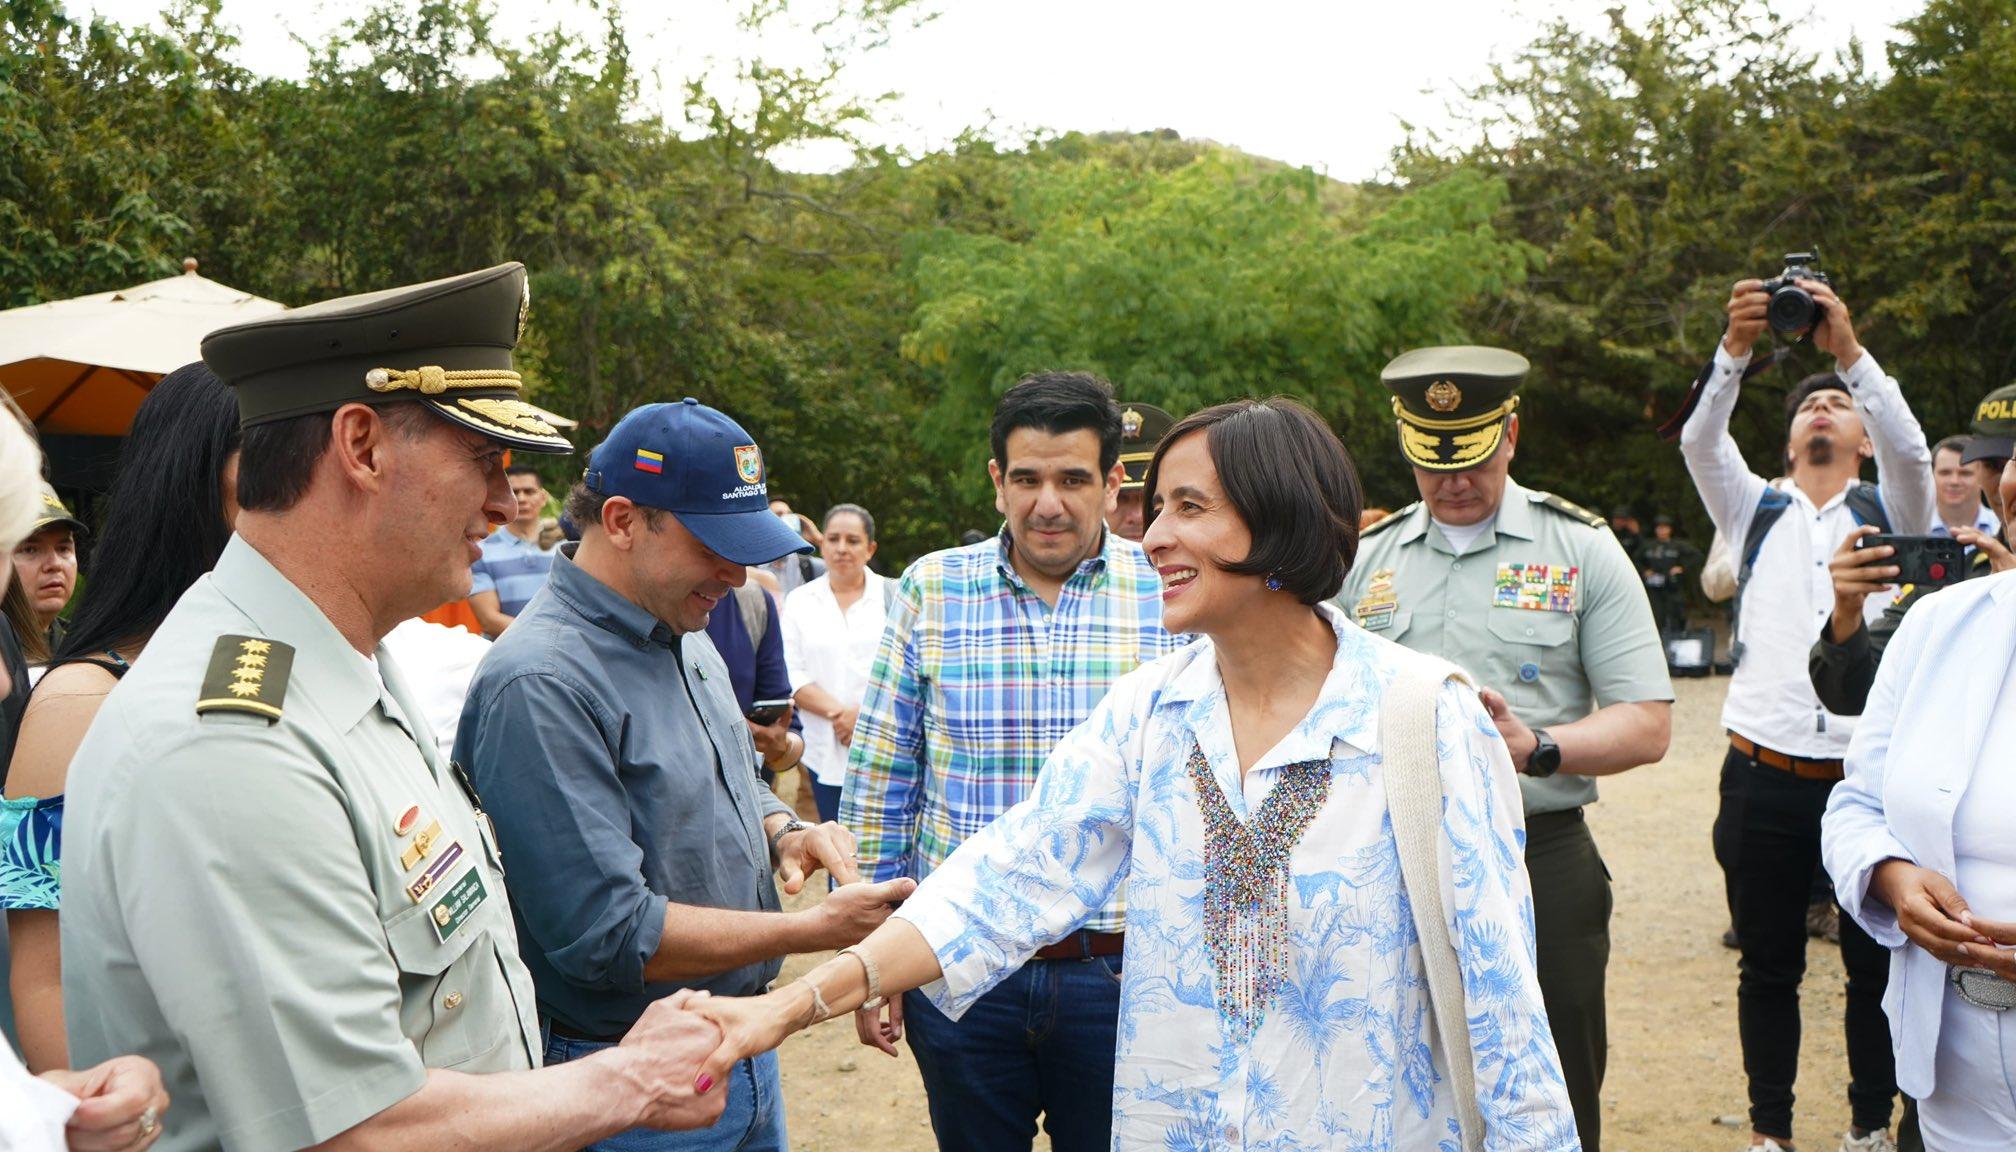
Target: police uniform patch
1536, 587
247, 674
1375, 612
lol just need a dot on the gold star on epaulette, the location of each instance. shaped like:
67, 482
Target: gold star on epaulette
246, 675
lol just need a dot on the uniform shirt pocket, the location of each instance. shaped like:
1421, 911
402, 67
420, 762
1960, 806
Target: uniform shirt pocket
1537, 646
450, 990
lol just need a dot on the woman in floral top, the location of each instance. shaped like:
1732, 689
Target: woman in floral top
171, 511
1273, 993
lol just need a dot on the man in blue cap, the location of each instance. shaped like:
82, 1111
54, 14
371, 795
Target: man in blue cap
605, 739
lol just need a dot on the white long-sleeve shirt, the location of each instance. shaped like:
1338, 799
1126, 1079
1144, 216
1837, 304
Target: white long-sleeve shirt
1790, 593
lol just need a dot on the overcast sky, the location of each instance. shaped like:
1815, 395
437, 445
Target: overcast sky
1327, 83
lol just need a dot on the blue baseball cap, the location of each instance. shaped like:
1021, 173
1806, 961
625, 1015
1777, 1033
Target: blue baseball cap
699, 465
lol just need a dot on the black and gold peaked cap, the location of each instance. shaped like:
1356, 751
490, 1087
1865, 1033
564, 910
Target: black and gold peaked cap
1142, 427
1452, 403
446, 343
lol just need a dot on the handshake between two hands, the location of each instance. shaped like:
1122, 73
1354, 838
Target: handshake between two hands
680, 1052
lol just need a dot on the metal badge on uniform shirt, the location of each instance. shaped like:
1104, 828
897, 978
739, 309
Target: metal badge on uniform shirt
1536, 587
1375, 611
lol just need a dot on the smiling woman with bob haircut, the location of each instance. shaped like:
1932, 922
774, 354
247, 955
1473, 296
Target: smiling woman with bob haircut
1275, 992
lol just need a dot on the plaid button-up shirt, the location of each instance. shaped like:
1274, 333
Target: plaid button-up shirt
975, 682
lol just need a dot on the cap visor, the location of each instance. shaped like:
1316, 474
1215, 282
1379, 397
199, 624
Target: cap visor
1987, 448
75, 524
1443, 451
754, 537
505, 419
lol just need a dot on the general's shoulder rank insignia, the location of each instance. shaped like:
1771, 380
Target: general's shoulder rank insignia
247, 674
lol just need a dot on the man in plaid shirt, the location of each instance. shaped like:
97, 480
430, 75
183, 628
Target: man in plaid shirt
993, 652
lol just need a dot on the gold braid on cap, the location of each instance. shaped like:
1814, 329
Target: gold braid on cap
1462, 424
430, 380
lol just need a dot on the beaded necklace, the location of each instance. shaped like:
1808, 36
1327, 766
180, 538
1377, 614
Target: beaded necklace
1246, 885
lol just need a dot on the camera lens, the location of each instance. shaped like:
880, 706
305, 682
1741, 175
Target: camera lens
1792, 309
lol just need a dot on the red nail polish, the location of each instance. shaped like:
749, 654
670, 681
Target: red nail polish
704, 1084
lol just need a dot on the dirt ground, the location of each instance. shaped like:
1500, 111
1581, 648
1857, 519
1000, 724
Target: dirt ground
1674, 1064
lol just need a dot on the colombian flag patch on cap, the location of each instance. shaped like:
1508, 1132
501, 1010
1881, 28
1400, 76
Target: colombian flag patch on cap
649, 461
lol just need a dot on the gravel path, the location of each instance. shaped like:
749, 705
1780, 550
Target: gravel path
1674, 1063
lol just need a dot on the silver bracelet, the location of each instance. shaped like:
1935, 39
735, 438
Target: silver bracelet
875, 999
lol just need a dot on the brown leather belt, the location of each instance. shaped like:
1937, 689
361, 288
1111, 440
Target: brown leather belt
1797, 765
1084, 945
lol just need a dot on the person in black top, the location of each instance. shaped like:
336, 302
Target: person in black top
1666, 564
170, 515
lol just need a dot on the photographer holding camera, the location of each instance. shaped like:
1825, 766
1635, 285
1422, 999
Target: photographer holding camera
1785, 747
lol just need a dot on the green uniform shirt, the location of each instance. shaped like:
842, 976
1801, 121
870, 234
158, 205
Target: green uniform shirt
1545, 607
254, 902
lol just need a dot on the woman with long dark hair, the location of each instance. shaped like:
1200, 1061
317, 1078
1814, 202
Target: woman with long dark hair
170, 515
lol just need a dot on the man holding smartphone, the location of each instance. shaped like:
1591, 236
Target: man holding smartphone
609, 747
1785, 747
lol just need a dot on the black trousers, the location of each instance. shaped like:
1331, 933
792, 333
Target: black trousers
1571, 927
1767, 839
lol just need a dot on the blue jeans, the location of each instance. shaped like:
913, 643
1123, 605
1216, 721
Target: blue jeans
827, 798
752, 1122
1042, 1041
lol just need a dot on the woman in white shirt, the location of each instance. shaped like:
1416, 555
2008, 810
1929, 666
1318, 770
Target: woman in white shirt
1276, 987
832, 626
1917, 840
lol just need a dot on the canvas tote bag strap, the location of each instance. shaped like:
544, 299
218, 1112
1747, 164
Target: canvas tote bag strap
1413, 775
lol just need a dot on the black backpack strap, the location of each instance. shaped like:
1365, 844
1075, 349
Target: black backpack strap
1770, 507
1865, 503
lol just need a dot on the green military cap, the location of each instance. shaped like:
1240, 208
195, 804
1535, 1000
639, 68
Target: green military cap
1142, 427
1452, 403
54, 511
1994, 427
446, 343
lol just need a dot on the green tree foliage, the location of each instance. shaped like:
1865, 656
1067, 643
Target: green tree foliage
1608, 187
1189, 283
1657, 162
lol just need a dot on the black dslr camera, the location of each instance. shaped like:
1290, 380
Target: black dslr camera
1793, 309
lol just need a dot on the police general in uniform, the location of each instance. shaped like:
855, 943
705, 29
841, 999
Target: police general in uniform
1537, 600
274, 886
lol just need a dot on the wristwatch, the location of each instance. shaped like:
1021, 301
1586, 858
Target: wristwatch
792, 825
1545, 759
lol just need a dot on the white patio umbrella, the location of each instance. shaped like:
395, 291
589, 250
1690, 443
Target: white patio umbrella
82, 366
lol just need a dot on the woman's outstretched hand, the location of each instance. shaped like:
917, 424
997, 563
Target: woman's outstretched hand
750, 1026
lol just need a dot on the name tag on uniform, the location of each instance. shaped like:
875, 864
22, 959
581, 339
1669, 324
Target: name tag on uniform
1536, 587
455, 906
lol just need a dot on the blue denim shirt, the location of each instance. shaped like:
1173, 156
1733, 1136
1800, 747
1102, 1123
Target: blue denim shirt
611, 755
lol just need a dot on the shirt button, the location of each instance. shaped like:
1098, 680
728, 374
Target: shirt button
1529, 631
451, 1001
1451, 613
1456, 567
1232, 1133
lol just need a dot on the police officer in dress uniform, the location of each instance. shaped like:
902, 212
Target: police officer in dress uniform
274, 887
1142, 427
1535, 597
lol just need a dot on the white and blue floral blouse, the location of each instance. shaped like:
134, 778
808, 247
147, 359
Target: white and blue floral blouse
1341, 1052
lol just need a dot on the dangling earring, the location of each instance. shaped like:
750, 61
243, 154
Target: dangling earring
1273, 582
